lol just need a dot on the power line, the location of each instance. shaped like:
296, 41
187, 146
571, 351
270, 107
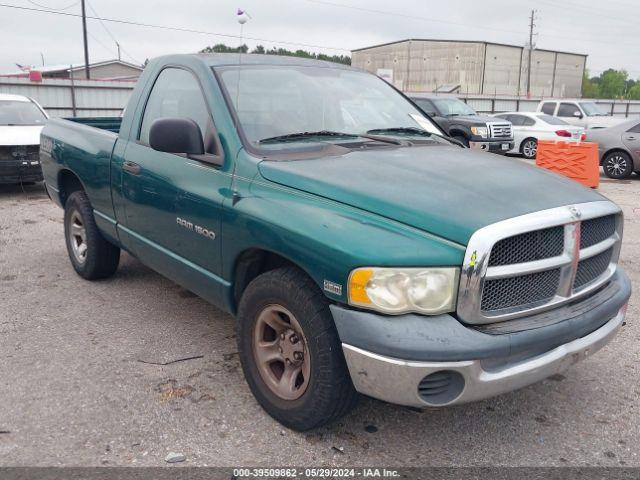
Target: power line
53, 8
176, 29
111, 34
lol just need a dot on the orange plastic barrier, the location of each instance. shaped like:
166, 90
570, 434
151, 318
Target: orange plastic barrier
578, 161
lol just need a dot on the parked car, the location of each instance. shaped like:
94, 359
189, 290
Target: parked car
21, 121
461, 122
359, 249
583, 113
528, 128
619, 148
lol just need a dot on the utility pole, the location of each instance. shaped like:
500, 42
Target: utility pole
86, 45
531, 25
118, 45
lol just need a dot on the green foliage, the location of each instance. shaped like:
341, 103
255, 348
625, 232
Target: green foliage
611, 84
222, 48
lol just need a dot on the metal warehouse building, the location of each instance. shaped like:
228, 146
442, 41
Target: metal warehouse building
473, 67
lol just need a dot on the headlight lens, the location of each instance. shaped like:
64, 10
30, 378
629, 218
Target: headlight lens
428, 291
480, 131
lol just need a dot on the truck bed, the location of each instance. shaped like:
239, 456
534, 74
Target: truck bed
112, 124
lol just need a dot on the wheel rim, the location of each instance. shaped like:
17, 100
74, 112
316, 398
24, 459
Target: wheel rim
530, 149
617, 165
281, 353
78, 237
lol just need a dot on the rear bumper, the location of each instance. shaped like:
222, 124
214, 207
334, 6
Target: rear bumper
493, 146
19, 171
390, 358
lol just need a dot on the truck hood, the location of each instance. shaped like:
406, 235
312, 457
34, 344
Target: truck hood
20, 135
479, 119
445, 190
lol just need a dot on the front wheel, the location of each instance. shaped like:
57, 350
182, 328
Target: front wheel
617, 165
290, 351
91, 255
529, 148
462, 139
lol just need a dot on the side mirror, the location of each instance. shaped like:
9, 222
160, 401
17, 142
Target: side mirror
577, 114
176, 135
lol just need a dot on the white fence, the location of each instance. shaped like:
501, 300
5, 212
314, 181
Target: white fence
78, 98
491, 104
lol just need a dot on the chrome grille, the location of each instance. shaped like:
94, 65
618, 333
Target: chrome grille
500, 130
538, 261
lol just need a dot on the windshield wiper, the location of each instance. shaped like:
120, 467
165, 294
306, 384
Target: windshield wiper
299, 135
401, 131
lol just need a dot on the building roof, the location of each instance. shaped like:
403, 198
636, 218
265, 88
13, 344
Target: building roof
482, 42
74, 67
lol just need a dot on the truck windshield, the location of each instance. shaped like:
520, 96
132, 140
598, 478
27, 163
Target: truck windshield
13, 112
592, 109
274, 101
452, 107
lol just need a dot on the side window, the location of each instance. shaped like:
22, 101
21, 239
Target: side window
528, 121
516, 120
426, 106
548, 108
176, 93
567, 110
634, 129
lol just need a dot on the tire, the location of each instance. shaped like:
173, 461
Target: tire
617, 165
462, 139
91, 255
322, 391
529, 148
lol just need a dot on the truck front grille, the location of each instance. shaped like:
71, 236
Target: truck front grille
14, 153
500, 130
510, 273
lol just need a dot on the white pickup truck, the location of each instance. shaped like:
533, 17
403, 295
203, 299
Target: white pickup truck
583, 113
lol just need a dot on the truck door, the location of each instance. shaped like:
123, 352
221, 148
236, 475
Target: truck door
173, 203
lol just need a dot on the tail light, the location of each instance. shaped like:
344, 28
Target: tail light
583, 137
563, 133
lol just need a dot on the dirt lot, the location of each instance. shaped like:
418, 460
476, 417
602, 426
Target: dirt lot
75, 389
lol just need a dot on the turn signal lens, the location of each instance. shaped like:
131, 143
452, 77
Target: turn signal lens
428, 291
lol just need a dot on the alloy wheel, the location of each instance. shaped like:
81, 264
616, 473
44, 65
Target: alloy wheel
78, 237
616, 165
281, 353
530, 148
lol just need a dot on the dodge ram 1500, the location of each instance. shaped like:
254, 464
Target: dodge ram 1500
360, 249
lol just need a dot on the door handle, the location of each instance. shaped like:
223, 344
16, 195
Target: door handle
631, 138
131, 167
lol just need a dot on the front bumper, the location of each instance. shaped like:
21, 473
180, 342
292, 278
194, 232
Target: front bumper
493, 146
20, 171
459, 364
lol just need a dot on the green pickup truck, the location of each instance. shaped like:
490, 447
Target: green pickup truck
360, 249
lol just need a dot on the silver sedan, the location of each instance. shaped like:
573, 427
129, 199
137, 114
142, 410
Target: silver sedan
619, 148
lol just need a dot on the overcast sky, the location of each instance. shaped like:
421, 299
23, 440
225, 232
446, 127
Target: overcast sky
606, 31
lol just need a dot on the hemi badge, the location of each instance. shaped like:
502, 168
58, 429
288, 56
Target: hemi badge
332, 287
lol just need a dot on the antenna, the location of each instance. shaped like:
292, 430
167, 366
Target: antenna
243, 17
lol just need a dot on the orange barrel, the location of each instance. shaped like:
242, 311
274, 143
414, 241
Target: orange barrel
578, 161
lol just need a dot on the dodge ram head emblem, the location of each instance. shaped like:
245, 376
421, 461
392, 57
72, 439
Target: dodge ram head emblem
575, 213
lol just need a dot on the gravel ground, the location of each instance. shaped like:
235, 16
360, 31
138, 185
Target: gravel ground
75, 390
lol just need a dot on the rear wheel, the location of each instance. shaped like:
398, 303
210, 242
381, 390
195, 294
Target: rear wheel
617, 165
529, 148
290, 351
91, 255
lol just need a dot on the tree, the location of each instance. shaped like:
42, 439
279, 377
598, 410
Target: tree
589, 86
612, 83
634, 92
222, 48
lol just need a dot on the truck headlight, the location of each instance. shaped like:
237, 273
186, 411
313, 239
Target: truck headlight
429, 291
480, 131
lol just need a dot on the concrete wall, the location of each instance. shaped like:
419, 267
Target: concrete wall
479, 68
93, 98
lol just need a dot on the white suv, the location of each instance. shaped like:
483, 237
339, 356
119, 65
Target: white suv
583, 113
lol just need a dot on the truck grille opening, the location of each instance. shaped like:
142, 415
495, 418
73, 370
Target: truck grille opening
592, 268
597, 230
500, 130
515, 291
20, 152
528, 247
440, 388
